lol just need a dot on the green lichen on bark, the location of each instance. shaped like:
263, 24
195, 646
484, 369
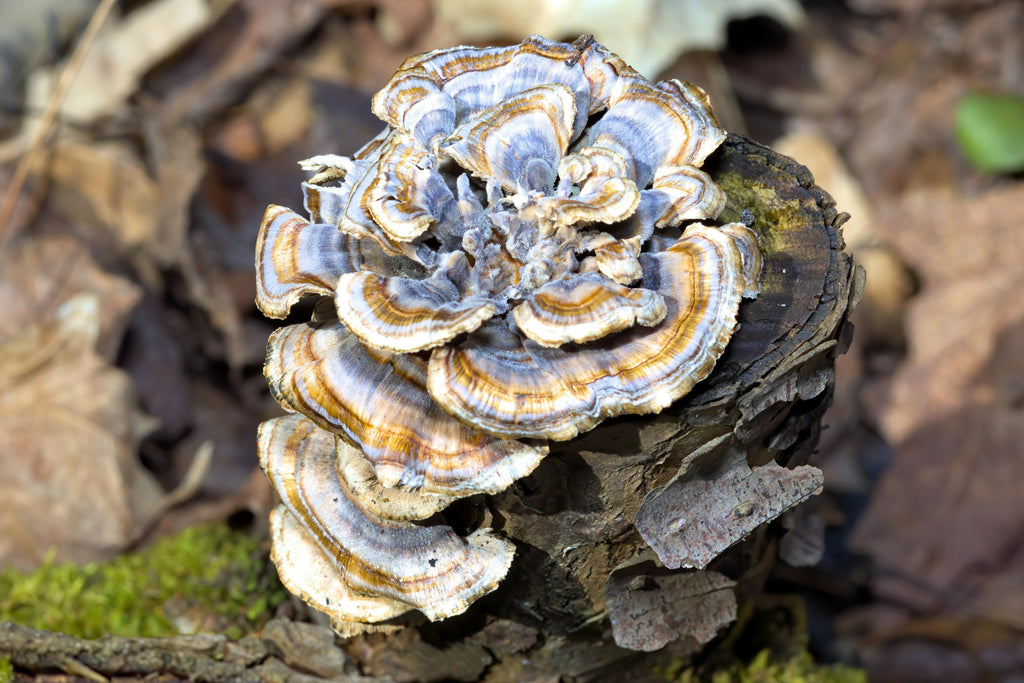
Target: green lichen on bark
203, 578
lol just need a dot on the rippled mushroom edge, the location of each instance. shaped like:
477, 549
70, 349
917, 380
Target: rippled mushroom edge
526, 250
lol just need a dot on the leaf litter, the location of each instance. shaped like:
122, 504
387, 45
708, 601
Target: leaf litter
127, 290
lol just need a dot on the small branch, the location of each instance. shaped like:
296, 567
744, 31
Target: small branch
201, 657
213, 658
34, 148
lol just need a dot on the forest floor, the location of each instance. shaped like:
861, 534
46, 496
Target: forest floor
131, 350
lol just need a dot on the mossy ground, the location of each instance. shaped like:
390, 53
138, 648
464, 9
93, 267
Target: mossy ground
766, 644
204, 578
764, 669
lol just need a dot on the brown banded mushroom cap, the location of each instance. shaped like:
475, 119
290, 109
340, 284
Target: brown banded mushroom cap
619, 261
585, 308
606, 194
426, 567
408, 195
682, 193
518, 141
311, 574
344, 200
405, 315
322, 371
295, 257
750, 249
361, 482
479, 78
550, 393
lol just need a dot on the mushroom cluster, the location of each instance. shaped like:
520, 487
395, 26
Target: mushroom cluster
514, 259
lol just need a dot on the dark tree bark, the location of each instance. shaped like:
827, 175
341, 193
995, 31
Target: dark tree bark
636, 540
584, 576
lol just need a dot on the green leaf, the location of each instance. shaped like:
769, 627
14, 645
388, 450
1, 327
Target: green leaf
990, 131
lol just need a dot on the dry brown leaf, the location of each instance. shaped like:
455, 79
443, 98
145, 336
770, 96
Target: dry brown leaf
896, 117
37, 275
174, 153
649, 35
108, 182
243, 42
648, 610
966, 252
68, 421
944, 525
278, 114
951, 410
69, 427
135, 216
948, 513
123, 52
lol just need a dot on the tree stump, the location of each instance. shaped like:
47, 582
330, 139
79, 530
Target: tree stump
608, 523
636, 541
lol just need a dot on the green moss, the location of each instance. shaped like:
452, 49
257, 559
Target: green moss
766, 644
762, 669
204, 578
6, 670
800, 669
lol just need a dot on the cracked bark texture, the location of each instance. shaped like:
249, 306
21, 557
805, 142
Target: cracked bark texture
707, 470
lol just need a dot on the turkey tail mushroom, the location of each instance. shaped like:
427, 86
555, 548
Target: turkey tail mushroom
387, 564
511, 261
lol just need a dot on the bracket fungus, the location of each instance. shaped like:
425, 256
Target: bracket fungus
527, 250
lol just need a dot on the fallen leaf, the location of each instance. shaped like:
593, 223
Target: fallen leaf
950, 503
124, 50
244, 41
943, 528
36, 275
649, 35
966, 253
277, 115
136, 215
69, 425
108, 182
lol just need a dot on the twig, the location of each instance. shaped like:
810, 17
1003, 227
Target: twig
35, 146
202, 657
184, 491
76, 668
